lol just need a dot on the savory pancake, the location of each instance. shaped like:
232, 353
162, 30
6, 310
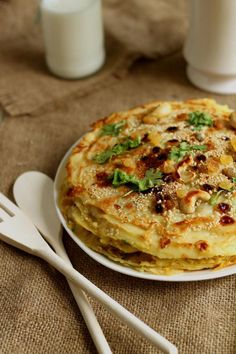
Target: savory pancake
154, 187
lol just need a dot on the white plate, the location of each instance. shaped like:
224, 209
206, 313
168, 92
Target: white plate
185, 276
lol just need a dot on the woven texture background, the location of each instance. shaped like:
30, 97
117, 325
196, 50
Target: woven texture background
42, 116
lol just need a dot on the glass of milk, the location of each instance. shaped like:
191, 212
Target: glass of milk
210, 47
73, 36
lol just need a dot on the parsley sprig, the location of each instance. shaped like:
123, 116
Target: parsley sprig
112, 129
179, 152
117, 150
152, 178
200, 120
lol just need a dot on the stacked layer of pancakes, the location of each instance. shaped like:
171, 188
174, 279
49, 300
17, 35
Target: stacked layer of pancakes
186, 219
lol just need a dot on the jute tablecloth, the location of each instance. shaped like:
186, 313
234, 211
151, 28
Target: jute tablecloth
43, 116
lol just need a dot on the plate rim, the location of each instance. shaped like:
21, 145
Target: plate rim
186, 276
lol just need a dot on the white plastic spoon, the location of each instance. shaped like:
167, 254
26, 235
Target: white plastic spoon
31, 198
33, 192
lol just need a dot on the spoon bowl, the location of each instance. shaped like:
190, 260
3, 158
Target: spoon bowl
33, 192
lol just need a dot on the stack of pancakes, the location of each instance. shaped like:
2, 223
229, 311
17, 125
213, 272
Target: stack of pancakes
154, 188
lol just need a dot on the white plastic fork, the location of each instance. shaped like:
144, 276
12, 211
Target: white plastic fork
17, 230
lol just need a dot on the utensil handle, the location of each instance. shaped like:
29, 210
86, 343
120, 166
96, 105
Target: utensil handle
86, 309
114, 307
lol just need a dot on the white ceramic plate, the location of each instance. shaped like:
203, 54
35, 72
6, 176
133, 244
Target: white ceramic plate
186, 276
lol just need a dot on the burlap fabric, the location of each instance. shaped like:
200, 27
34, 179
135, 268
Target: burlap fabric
43, 116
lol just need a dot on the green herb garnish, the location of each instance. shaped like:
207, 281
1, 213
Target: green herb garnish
200, 120
234, 179
215, 198
117, 150
152, 178
112, 129
178, 153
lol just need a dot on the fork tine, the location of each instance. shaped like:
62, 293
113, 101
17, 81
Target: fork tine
8, 204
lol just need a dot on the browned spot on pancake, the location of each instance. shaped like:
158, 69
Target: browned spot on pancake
129, 205
99, 123
164, 241
181, 117
140, 168
106, 203
74, 191
201, 245
210, 145
115, 117
188, 223
219, 124
78, 148
169, 202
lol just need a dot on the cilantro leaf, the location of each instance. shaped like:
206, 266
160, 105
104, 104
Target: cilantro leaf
177, 153
234, 179
200, 120
103, 156
120, 177
199, 147
117, 150
152, 178
112, 129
